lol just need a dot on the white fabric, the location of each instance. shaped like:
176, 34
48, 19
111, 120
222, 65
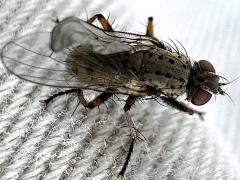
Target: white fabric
93, 145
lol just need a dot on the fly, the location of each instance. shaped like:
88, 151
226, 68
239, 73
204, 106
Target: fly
81, 56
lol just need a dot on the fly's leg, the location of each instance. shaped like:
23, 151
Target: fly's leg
130, 150
133, 131
129, 102
105, 24
96, 101
181, 106
149, 31
47, 101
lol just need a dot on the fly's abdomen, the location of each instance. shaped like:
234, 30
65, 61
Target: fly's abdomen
166, 71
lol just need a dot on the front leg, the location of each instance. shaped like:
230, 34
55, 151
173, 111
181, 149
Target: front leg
181, 106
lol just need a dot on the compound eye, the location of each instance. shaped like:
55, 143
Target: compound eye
201, 97
206, 66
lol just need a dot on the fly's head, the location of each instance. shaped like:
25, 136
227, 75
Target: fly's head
203, 83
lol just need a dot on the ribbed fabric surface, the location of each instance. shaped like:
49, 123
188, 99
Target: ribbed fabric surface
54, 144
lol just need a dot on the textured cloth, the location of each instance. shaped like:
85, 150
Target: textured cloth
58, 144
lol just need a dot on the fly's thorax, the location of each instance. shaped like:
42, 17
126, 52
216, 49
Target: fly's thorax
166, 71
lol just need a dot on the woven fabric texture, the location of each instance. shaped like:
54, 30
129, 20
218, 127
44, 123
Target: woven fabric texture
55, 143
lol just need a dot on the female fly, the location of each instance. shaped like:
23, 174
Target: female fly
81, 56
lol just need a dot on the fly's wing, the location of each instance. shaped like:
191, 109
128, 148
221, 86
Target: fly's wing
73, 31
31, 58
100, 70
43, 57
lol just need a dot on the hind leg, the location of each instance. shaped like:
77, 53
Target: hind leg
105, 24
49, 99
97, 101
90, 105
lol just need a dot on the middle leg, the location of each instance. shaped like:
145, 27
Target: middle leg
149, 31
129, 103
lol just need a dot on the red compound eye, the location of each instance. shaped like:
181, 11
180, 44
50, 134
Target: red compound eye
206, 66
201, 97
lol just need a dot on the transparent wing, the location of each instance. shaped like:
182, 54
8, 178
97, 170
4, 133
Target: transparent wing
73, 31
32, 59
78, 67
75, 54
100, 70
